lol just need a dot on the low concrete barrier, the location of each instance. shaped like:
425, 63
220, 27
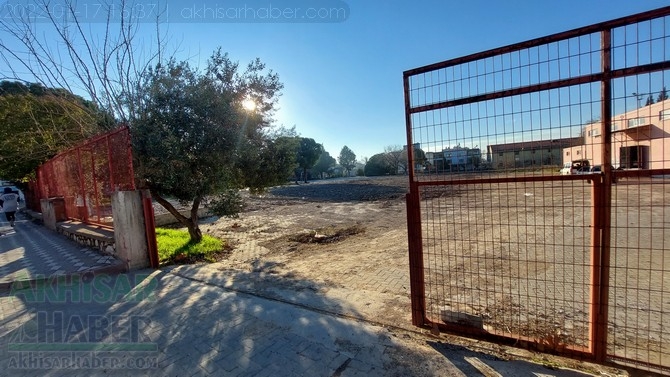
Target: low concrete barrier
167, 218
95, 237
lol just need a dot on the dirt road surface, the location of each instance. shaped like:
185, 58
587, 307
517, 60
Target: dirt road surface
338, 246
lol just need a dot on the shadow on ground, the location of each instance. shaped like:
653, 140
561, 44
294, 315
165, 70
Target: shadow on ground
168, 323
473, 363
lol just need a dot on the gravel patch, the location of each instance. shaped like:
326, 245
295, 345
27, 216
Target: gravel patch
346, 190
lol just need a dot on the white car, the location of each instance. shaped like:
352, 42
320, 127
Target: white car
566, 169
576, 167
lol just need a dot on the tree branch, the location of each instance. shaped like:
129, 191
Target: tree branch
167, 205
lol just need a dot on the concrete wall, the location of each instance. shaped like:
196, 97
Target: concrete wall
95, 237
129, 231
167, 218
53, 211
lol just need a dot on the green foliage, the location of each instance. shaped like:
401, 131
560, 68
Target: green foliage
663, 95
379, 165
37, 123
650, 101
324, 164
347, 158
192, 138
228, 203
174, 245
308, 153
273, 159
419, 156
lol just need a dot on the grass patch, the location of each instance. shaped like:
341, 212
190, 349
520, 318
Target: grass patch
175, 246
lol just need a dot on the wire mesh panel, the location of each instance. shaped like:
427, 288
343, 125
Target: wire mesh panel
537, 207
500, 258
640, 267
87, 175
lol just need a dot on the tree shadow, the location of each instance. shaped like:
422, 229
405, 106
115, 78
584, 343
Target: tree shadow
186, 320
473, 363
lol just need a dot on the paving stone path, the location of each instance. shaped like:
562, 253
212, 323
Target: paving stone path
29, 251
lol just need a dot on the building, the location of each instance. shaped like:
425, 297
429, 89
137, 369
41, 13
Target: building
454, 159
640, 139
528, 154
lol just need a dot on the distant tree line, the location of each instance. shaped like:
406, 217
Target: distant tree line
393, 161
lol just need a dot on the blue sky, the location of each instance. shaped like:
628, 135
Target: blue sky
343, 80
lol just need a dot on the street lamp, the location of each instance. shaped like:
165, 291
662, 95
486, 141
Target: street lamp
639, 98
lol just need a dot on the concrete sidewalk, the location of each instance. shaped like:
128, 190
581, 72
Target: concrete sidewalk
162, 323
30, 251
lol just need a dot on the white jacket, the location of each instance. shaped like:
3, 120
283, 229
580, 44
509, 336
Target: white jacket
10, 202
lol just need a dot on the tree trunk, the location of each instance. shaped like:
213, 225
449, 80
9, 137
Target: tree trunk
190, 223
194, 232
194, 229
304, 174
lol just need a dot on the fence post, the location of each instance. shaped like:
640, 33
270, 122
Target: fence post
601, 213
129, 229
150, 228
415, 245
416, 273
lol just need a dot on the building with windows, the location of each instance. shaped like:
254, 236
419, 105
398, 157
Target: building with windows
454, 159
640, 139
528, 154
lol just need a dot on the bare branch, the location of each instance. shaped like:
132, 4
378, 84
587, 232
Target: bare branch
106, 68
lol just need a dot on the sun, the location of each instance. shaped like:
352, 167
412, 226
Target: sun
249, 104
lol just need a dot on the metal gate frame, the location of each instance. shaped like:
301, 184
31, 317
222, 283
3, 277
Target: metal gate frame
601, 210
87, 174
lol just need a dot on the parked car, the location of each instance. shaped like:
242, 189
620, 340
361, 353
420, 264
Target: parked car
576, 167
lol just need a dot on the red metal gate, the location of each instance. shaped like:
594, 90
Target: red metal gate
539, 194
87, 175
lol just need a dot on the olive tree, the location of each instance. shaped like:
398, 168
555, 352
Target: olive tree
193, 138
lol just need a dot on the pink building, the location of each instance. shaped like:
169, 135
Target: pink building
640, 139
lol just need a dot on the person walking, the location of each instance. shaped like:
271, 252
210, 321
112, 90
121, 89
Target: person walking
10, 203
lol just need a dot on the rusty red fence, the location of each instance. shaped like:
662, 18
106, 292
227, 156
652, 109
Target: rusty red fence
86, 176
540, 214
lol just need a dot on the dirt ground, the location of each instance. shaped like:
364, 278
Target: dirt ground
343, 243
368, 269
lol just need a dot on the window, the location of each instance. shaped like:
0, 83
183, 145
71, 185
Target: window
664, 114
567, 153
594, 132
516, 153
578, 153
500, 154
636, 122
